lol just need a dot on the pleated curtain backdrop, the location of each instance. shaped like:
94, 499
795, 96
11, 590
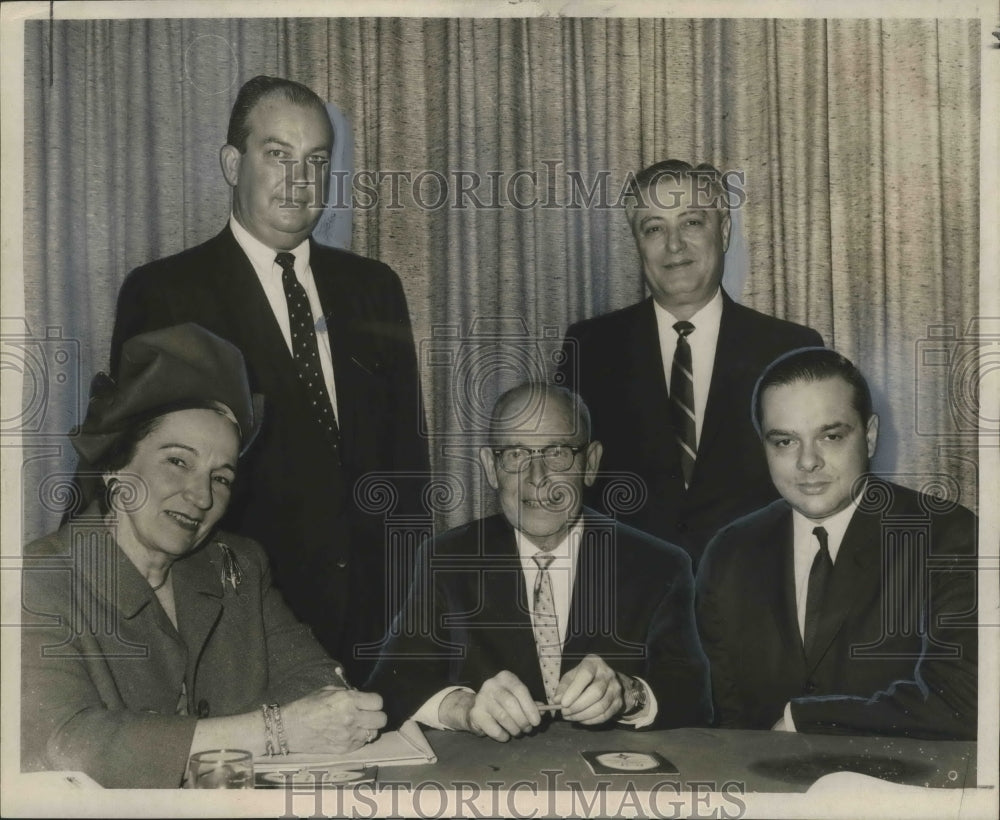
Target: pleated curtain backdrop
858, 140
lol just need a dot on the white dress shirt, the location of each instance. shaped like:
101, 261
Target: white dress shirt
269, 273
562, 573
805, 545
703, 340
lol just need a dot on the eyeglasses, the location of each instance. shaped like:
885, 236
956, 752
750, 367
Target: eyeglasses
557, 457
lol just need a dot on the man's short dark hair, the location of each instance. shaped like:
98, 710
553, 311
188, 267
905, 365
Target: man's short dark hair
257, 89
710, 183
812, 364
523, 402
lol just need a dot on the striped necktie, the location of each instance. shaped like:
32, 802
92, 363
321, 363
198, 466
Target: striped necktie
682, 401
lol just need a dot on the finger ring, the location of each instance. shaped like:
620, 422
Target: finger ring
370, 736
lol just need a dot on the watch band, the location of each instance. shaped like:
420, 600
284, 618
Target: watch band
635, 697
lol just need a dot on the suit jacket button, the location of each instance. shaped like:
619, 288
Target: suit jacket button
341, 563
682, 526
203, 709
810, 687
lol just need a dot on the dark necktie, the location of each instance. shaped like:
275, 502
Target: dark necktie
305, 348
546, 626
682, 401
819, 579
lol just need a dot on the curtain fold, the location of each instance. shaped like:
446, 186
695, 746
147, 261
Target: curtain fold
859, 141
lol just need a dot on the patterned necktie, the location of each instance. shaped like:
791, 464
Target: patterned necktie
819, 579
682, 401
305, 348
545, 626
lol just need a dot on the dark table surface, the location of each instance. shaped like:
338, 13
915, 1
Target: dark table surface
758, 761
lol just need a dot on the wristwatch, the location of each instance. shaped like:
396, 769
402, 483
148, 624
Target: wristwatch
635, 697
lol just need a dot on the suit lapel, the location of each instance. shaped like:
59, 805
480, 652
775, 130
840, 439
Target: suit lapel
854, 579
126, 594
600, 620
254, 328
340, 315
724, 373
252, 324
507, 599
198, 594
776, 571
647, 390
581, 616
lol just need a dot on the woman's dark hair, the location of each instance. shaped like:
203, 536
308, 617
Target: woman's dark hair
88, 483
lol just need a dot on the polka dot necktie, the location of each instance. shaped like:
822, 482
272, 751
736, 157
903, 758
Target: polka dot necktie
682, 401
546, 626
305, 348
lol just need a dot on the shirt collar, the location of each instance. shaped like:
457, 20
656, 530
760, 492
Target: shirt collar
262, 256
706, 320
565, 549
835, 526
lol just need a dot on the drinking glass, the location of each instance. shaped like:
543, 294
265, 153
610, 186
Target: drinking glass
221, 769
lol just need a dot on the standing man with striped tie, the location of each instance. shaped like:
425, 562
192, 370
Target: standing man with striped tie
547, 608
667, 379
326, 337
847, 606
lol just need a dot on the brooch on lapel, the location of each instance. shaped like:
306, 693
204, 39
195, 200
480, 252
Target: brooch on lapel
231, 571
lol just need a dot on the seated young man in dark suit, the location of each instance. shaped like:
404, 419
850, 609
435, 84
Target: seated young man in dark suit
849, 605
667, 380
547, 606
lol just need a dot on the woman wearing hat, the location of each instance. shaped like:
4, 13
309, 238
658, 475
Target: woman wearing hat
149, 634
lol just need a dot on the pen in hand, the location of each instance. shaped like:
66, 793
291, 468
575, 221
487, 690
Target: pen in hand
340, 673
370, 734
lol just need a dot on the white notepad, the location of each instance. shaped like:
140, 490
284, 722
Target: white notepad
405, 747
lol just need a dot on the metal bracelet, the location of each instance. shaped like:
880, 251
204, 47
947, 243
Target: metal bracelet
280, 727
268, 730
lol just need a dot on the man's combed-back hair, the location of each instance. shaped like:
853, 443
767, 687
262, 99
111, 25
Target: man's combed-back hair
812, 364
257, 89
711, 185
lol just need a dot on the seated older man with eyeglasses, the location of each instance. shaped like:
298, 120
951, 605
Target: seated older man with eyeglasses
547, 609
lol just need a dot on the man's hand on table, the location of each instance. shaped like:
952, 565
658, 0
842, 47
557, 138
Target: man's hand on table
501, 709
591, 693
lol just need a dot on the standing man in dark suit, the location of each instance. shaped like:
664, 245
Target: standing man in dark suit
667, 379
848, 605
326, 337
546, 603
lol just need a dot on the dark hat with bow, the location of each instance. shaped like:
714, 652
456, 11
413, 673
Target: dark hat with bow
166, 370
